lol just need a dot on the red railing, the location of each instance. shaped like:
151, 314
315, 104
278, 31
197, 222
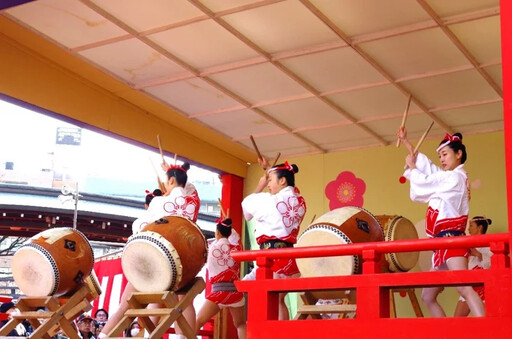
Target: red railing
372, 290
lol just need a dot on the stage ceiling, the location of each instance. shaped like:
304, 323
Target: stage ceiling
302, 77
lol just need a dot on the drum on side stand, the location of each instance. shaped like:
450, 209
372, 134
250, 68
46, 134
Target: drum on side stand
398, 228
166, 255
53, 262
340, 226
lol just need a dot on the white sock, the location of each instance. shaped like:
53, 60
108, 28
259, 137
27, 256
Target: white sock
102, 335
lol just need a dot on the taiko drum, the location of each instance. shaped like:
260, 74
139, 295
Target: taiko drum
166, 255
53, 262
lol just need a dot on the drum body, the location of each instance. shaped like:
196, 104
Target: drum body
53, 262
398, 228
340, 226
165, 255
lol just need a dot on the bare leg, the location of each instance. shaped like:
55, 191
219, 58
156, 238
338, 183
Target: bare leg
206, 312
429, 297
190, 316
114, 319
462, 309
284, 314
238, 314
472, 298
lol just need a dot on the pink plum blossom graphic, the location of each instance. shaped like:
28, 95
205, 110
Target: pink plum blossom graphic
346, 190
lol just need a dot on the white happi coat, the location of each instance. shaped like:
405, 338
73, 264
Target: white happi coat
181, 201
221, 266
278, 215
447, 194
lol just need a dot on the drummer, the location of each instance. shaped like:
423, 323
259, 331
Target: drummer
447, 193
222, 272
279, 214
180, 199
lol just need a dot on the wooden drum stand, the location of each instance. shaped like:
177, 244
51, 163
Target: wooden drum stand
60, 315
170, 311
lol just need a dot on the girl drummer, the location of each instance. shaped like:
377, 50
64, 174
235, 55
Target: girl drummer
222, 272
180, 199
447, 193
279, 214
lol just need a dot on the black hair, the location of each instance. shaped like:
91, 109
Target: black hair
482, 221
150, 196
287, 174
456, 146
102, 309
181, 176
225, 231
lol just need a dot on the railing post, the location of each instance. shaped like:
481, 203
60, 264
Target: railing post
263, 304
372, 299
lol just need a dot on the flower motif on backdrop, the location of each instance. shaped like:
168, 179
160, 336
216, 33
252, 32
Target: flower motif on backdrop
346, 190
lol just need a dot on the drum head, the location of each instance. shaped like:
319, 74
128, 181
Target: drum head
320, 235
401, 228
34, 271
151, 263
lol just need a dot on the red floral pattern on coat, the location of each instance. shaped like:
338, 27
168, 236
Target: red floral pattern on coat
183, 206
292, 211
346, 190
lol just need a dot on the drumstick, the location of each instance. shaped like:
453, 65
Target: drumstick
421, 140
404, 118
277, 158
222, 212
160, 183
175, 158
313, 219
227, 213
255, 147
160, 148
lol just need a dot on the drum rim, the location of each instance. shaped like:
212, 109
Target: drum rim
331, 228
50, 260
163, 246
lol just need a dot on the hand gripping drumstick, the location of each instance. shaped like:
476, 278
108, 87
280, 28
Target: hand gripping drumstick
402, 178
404, 118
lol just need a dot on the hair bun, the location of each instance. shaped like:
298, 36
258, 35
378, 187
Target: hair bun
186, 166
227, 222
489, 221
295, 168
458, 135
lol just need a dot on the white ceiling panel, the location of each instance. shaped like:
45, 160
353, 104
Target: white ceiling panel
374, 102
61, 20
260, 83
133, 61
192, 96
150, 14
478, 38
452, 8
281, 26
415, 53
304, 114
480, 114
451, 89
334, 70
355, 17
240, 124
495, 72
203, 44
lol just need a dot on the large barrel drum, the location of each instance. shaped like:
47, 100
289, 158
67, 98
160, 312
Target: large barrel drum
341, 226
166, 255
53, 262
